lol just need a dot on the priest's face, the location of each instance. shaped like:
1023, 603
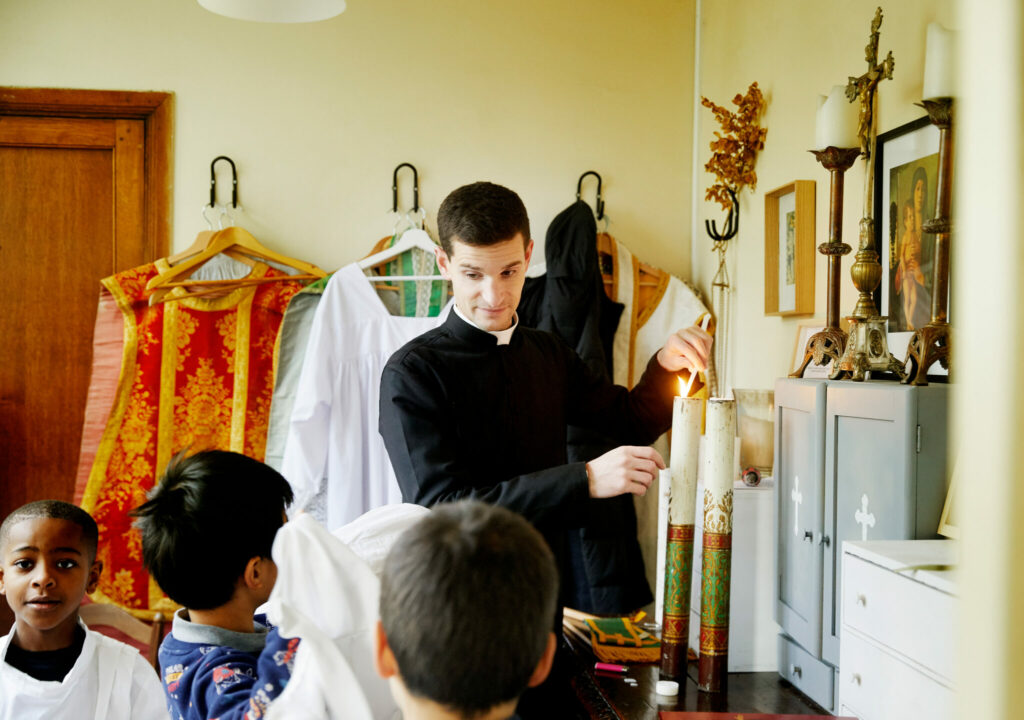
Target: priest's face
487, 280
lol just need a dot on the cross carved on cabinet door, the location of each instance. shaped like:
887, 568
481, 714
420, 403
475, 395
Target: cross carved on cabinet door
864, 518
797, 497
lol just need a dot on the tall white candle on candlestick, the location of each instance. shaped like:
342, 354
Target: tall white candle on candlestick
686, 422
716, 549
938, 63
836, 121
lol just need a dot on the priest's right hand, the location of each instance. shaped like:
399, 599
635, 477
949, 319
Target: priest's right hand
626, 469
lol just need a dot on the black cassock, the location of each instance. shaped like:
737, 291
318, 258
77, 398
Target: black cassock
463, 417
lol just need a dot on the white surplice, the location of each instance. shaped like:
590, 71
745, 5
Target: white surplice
109, 681
333, 430
327, 593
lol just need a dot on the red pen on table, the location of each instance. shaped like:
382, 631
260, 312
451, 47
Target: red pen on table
608, 667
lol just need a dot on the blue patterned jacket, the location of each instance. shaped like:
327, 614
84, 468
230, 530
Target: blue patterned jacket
209, 673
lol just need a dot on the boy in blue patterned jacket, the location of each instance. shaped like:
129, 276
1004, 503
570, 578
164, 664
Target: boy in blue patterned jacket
207, 531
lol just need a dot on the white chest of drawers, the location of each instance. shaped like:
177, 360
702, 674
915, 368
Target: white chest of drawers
898, 625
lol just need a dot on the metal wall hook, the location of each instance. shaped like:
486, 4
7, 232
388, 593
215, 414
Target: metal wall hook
213, 181
732, 221
600, 202
415, 187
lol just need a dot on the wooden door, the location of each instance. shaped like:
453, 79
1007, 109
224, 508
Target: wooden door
83, 184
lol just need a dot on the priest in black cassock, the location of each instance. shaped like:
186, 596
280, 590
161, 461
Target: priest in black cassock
478, 407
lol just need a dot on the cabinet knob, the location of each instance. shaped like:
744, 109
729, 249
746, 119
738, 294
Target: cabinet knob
862, 600
855, 678
796, 671
825, 540
808, 535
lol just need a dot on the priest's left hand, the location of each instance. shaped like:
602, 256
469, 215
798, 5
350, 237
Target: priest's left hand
686, 349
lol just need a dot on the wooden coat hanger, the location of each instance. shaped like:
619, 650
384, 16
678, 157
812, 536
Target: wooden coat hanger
197, 246
239, 242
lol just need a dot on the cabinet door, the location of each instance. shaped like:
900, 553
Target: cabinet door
799, 482
870, 470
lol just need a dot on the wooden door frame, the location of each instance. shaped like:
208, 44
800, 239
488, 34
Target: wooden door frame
155, 109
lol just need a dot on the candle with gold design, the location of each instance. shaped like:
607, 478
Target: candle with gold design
719, 472
675, 633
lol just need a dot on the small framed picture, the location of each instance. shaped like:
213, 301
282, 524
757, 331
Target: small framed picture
906, 170
804, 331
789, 249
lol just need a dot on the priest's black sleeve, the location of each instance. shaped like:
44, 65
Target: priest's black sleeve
629, 417
442, 451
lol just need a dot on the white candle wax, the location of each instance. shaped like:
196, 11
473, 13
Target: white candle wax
686, 422
664, 484
836, 122
938, 63
720, 464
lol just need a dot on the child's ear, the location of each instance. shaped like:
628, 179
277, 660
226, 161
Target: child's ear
540, 673
260, 573
251, 576
94, 577
383, 658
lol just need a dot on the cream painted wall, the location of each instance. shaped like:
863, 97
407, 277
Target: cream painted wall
989, 399
529, 94
795, 50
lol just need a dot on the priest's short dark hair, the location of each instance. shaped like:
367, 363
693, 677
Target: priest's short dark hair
210, 513
482, 213
467, 602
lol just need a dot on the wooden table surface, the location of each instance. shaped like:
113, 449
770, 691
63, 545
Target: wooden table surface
608, 696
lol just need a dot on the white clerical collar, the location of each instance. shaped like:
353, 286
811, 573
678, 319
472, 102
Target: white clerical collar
503, 336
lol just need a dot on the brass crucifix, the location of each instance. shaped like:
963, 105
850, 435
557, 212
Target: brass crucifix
863, 87
867, 347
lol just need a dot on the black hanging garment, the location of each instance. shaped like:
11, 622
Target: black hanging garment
606, 569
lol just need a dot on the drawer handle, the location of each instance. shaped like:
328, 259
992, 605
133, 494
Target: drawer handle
862, 600
795, 670
855, 678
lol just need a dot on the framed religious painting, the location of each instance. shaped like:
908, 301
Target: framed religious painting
789, 249
906, 169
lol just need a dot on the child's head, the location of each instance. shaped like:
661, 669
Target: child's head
47, 565
467, 604
908, 215
209, 524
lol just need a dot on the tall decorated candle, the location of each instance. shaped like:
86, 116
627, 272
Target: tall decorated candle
686, 423
716, 558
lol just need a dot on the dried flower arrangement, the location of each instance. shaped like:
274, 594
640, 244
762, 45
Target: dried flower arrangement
734, 149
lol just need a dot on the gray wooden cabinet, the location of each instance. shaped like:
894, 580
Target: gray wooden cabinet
853, 461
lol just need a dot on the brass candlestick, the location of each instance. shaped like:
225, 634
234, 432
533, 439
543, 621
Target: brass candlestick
828, 345
933, 342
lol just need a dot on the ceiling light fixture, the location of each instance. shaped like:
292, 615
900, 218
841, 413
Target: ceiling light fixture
276, 11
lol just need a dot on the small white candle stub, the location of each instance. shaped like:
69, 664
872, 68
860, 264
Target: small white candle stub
938, 63
836, 122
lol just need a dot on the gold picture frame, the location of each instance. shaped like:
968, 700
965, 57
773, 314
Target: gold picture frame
789, 249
